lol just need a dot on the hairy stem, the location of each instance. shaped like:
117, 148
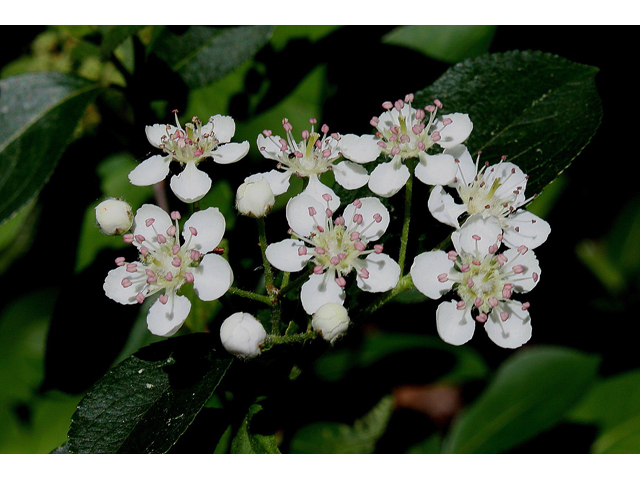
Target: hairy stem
251, 295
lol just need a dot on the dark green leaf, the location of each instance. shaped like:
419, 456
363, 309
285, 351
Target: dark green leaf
531, 392
38, 115
623, 438
144, 404
247, 441
114, 35
538, 109
204, 54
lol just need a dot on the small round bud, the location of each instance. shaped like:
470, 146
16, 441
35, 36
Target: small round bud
114, 216
242, 335
255, 199
332, 320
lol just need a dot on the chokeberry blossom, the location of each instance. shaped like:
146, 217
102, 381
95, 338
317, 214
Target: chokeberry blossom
242, 335
165, 264
114, 216
189, 147
336, 247
485, 281
496, 190
404, 132
315, 154
331, 320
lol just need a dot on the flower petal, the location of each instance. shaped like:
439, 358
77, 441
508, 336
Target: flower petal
512, 333
444, 208
285, 255
269, 147
456, 132
278, 181
212, 278
300, 221
316, 189
532, 231
384, 273
528, 279
318, 290
388, 178
165, 320
360, 149
209, 224
224, 127
477, 225
369, 208
161, 222
350, 175
230, 152
440, 169
157, 131
426, 271
512, 178
191, 185
454, 326
466, 166
125, 295
151, 171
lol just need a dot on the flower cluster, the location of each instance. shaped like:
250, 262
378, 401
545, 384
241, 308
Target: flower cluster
330, 240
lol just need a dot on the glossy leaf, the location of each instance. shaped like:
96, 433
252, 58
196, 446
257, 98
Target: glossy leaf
538, 109
248, 441
144, 404
38, 115
532, 391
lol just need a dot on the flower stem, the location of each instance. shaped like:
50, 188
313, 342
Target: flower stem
289, 339
251, 295
404, 240
404, 284
295, 284
268, 274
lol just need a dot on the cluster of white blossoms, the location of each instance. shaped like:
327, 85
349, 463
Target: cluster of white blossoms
492, 259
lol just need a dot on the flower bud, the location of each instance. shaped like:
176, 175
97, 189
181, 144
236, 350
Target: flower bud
255, 199
332, 320
114, 216
242, 335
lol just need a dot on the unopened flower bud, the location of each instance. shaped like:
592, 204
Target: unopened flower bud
332, 320
255, 199
114, 216
242, 335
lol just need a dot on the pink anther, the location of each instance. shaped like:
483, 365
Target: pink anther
357, 203
132, 268
194, 255
398, 104
526, 305
327, 197
460, 305
312, 211
319, 250
534, 275
465, 268
140, 297
171, 231
357, 218
198, 152
162, 239
446, 121
127, 238
302, 251
329, 212
354, 236
523, 249
504, 316
120, 261
381, 144
359, 246
443, 277
140, 238
188, 277
408, 97
518, 269
334, 260
176, 262
175, 249
476, 262
341, 282
169, 277
377, 217
374, 121
493, 302
318, 269
377, 248
149, 221
387, 105
163, 299
395, 151
175, 215
267, 133
339, 221
452, 255
482, 317
478, 302
126, 282
437, 103
364, 273
470, 282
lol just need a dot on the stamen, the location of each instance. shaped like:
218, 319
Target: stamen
341, 282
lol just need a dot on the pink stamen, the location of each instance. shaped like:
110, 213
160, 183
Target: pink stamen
319, 250
327, 197
534, 275
267, 133
312, 211
335, 260
437, 103
501, 259
195, 255
526, 305
493, 249
523, 249
398, 104
447, 121
359, 246
163, 299
452, 255
127, 238
377, 217
329, 212
193, 231
460, 305
162, 239
518, 269
320, 229
120, 261
132, 268
443, 277
171, 231
465, 268
364, 273
408, 98
504, 316
357, 218
476, 237
149, 221
387, 105
198, 152
435, 136
175, 249
482, 317
140, 297
478, 302
469, 282
318, 269
476, 262
493, 301
176, 262
377, 248
188, 276
175, 215
357, 203
354, 236
395, 150
302, 251
169, 277
339, 221
341, 282
140, 238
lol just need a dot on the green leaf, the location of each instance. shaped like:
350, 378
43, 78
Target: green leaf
38, 115
247, 441
144, 404
333, 437
538, 109
114, 35
202, 54
532, 391
623, 438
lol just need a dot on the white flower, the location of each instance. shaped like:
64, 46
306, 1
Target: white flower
242, 335
336, 247
114, 216
404, 132
492, 190
165, 264
255, 199
189, 146
331, 320
315, 154
484, 280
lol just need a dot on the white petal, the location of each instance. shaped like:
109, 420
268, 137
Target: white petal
298, 216
224, 127
161, 222
151, 171
230, 152
209, 225
285, 255
269, 147
512, 178
350, 175
191, 185
157, 131
487, 228
165, 320
466, 166
388, 178
522, 282
532, 230
370, 207
384, 273
278, 181
125, 295
426, 269
444, 208
438, 169
457, 131
388, 119
320, 289
454, 326
212, 278
360, 149
316, 189
512, 333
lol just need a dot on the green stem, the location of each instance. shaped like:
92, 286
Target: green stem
404, 240
404, 284
295, 284
268, 274
295, 338
250, 295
